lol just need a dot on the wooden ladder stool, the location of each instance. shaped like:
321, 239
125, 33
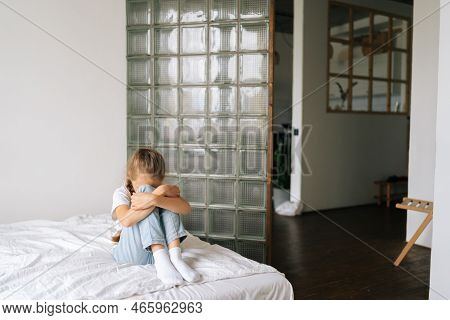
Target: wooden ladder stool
420, 206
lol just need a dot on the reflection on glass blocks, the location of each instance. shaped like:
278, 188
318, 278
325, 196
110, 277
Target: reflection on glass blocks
193, 39
170, 156
166, 70
140, 131
254, 250
221, 192
166, 100
222, 37
222, 162
192, 161
166, 40
166, 11
195, 221
223, 10
139, 42
254, 100
193, 131
139, 71
222, 222
223, 68
222, 100
254, 9
193, 100
139, 101
253, 68
251, 224
138, 12
223, 131
171, 180
253, 132
193, 189
253, 163
254, 36
193, 10
193, 70
131, 150
167, 130
252, 193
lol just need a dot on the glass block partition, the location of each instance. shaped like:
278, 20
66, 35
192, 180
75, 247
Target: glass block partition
199, 84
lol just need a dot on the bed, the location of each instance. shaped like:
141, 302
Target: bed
71, 259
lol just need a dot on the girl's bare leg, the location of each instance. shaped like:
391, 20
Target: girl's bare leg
156, 247
174, 243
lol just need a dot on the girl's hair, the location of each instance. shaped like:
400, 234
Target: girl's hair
145, 160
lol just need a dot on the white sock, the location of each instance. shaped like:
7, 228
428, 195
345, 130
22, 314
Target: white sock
186, 272
165, 270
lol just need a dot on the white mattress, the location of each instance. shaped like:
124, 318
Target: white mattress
267, 286
72, 260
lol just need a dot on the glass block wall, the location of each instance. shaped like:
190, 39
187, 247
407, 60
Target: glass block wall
198, 91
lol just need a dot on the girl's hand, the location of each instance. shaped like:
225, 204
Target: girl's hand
171, 190
144, 200
167, 190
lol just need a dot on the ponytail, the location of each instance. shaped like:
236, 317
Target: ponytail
129, 186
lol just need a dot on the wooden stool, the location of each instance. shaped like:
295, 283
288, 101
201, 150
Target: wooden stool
420, 206
386, 190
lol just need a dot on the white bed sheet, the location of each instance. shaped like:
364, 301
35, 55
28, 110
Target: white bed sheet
43, 259
267, 286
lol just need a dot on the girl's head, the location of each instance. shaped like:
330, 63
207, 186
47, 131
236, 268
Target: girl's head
145, 166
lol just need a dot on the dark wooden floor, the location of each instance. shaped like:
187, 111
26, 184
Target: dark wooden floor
323, 262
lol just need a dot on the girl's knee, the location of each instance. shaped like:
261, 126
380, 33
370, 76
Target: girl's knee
170, 214
153, 218
170, 219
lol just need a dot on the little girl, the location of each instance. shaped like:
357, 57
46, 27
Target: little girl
149, 213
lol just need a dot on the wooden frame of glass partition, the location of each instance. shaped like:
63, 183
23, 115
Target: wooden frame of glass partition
381, 71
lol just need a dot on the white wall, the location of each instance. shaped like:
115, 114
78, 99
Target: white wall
440, 255
62, 124
346, 152
423, 112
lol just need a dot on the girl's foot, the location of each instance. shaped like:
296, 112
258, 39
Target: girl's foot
165, 270
186, 272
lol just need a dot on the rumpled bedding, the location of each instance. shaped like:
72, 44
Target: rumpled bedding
72, 259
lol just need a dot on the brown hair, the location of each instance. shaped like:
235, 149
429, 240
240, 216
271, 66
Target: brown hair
144, 160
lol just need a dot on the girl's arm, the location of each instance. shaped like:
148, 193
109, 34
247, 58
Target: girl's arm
174, 204
167, 190
129, 217
165, 196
